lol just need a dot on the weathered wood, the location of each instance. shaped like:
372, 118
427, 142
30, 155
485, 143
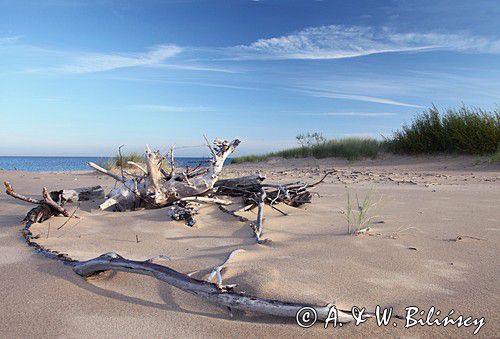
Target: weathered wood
49, 206
260, 218
83, 194
155, 179
126, 196
220, 295
208, 200
217, 270
54, 205
235, 186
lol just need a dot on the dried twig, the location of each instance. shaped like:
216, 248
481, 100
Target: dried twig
121, 161
69, 218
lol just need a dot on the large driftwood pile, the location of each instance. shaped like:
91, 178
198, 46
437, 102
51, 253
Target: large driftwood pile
160, 186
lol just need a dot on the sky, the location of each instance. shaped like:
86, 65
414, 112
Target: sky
84, 77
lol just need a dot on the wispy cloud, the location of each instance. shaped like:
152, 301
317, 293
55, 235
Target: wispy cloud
74, 62
196, 68
189, 83
351, 114
167, 109
100, 62
354, 97
9, 40
337, 42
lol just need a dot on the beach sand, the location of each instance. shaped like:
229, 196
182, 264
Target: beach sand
411, 258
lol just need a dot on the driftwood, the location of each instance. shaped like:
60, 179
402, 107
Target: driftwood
52, 203
217, 270
235, 186
82, 194
184, 210
207, 200
256, 193
157, 188
221, 295
257, 228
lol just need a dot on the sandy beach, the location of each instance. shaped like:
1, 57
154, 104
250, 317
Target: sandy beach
435, 242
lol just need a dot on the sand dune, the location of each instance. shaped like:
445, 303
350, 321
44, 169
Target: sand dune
411, 258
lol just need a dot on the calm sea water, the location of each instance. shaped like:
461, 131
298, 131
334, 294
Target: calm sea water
62, 164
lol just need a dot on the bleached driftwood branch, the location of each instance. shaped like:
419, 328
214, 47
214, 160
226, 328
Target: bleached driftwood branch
220, 295
216, 272
214, 200
138, 166
260, 218
105, 171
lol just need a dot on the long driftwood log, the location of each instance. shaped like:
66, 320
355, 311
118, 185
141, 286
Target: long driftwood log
218, 294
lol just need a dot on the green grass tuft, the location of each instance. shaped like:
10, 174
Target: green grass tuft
358, 216
495, 158
114, 162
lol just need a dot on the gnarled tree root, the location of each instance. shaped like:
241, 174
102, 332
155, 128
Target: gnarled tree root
220, 295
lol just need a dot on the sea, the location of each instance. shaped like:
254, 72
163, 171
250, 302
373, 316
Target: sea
64, 164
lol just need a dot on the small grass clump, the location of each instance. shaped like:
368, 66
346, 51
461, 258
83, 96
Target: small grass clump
114, 162
358, 217
465, 130
349, 148
134, 157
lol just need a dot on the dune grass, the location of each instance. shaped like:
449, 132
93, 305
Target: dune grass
461, 131
466, 130
349, 148
495, 158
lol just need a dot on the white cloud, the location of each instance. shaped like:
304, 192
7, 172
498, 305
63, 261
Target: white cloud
71, 62
352, 114
99, 62
168, 109
355, 97
337, 42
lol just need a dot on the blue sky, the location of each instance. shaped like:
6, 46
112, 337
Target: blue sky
83, 77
